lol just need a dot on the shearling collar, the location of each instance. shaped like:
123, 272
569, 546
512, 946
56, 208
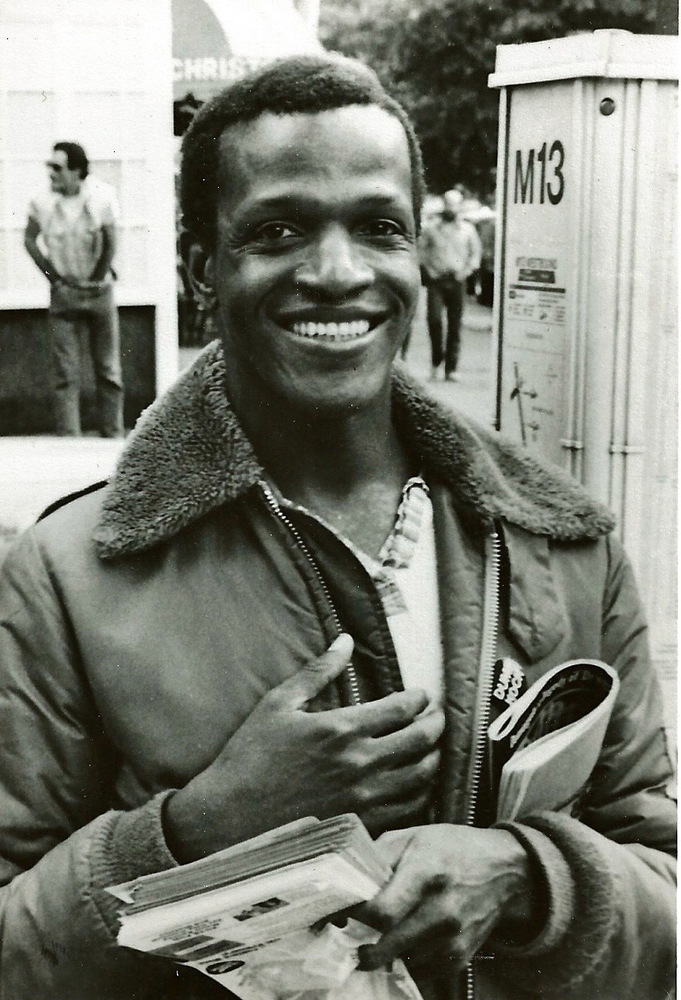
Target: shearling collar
188, 454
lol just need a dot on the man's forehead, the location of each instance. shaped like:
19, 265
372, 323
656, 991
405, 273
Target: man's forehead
290, 143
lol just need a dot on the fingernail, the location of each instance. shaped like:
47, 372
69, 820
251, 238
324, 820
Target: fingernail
342, 643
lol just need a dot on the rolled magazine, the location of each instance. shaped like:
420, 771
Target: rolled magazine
543, 748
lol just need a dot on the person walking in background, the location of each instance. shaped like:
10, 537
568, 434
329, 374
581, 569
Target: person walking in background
450, 252
486, 228
71, 236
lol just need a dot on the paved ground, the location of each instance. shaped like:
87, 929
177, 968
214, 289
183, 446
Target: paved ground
34, 471
474, 394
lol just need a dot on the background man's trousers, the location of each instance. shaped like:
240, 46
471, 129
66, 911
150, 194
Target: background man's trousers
445, 295
71, 310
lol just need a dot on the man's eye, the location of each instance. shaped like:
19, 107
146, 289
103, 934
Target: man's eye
274, 232
382, 229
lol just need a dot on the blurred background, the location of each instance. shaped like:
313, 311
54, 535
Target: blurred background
125, 82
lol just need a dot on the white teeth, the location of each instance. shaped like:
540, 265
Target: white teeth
332, 331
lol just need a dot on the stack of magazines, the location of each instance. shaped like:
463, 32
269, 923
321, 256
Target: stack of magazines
249, 916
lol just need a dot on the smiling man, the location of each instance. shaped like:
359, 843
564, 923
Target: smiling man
290, 599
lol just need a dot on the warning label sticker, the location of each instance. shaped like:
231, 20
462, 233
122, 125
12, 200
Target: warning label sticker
535, 294
539, 304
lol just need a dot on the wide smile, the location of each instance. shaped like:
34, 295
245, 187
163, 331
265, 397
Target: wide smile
331, 326
349, 330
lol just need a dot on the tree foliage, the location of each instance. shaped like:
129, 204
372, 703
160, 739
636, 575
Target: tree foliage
435, 56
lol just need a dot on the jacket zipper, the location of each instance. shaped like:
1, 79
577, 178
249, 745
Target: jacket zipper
275, 507
488, 653
490, 629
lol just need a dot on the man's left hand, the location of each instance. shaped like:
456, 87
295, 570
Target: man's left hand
451, 887
88, 287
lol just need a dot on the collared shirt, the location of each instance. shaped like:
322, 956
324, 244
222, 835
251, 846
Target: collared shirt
405, 576
71, 226
450, 248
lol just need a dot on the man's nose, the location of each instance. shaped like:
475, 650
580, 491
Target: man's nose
335, 265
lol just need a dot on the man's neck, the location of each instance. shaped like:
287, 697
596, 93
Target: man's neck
73, 190
349, 470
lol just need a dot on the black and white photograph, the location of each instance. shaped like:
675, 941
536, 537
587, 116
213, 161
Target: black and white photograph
338, 499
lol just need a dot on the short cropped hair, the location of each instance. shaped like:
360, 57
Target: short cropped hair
293, 85
76, 158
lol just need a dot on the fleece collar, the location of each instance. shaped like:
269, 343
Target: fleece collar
188, 455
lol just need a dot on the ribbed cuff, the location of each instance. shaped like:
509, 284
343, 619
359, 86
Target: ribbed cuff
557, 891
583, 916
127, 846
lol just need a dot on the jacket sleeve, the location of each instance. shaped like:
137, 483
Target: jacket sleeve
60, 844
474, 249
610, 875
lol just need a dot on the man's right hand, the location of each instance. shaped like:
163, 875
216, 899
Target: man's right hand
377, 759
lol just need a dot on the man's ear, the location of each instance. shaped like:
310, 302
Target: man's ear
200, 270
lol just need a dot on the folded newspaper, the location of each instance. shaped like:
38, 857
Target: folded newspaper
543, 748
254, 916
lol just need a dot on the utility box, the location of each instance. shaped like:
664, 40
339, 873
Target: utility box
586, 283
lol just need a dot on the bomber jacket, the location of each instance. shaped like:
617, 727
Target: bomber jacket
142, 622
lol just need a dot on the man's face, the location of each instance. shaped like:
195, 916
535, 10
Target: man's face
62, 179
315, 264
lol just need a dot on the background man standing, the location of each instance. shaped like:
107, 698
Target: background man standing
450, 252
71, 236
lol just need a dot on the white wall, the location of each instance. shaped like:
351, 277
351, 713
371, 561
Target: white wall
98, 73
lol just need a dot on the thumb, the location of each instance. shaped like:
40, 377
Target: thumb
295, 691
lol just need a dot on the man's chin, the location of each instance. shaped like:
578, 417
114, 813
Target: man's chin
323, 402
288, 389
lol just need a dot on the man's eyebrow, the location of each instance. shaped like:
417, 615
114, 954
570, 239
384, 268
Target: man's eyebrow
307, 199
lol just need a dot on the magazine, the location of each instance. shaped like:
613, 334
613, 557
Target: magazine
543, 748
254, 916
